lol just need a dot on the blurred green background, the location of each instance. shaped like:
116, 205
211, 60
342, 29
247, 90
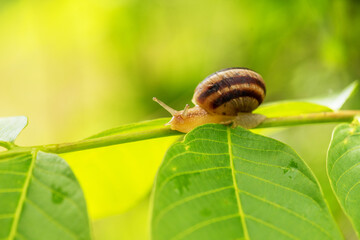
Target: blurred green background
76, 67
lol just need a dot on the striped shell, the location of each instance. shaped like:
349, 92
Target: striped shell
230, 91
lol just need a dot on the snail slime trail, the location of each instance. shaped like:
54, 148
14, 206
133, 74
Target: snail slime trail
227, 96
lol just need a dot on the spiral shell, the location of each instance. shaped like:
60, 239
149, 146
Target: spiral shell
230, 91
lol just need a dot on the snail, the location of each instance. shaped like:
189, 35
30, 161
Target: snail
227, 96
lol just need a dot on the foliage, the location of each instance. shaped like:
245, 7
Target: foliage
77, 67
217, 182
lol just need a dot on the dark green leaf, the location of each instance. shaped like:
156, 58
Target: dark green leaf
223, 183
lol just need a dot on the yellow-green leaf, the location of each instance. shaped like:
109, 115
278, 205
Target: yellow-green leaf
328, 103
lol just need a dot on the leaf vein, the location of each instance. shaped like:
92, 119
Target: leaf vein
15, 160
166, 180
11, 190
64, 196
345, 172
202, 225
54, 173
204, 139
350, 190
4, 216
265, 150
51, 219
287, 210
237, 195
341, 156
208, 128
275, 166
281, 186
269, 225
22, 198
20, 236
186, 200
191, 152
13, 173
246, 138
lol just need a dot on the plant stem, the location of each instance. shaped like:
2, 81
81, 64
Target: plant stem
108, 140
310, 118
165, 131
7, 145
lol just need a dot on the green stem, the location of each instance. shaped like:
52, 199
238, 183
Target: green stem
165, 131
310, 118
108, 140
7, 145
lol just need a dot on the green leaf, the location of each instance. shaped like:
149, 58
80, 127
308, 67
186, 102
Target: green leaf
10, 127
223, 183
343, 168
295, 107
40, 198
290, 108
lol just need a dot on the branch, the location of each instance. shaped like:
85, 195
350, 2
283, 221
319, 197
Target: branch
165, 131
310, 118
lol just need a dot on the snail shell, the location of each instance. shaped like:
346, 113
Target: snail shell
230, 91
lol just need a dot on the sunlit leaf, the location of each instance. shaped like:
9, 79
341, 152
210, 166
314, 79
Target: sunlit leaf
336, 100
343, 167
10, 127
295, 107
290, 108
40, 198
223, 183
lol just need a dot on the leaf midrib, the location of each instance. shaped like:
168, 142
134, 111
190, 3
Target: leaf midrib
22, 198
233, 173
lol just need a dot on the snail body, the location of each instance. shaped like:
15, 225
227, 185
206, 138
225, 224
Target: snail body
226, 96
